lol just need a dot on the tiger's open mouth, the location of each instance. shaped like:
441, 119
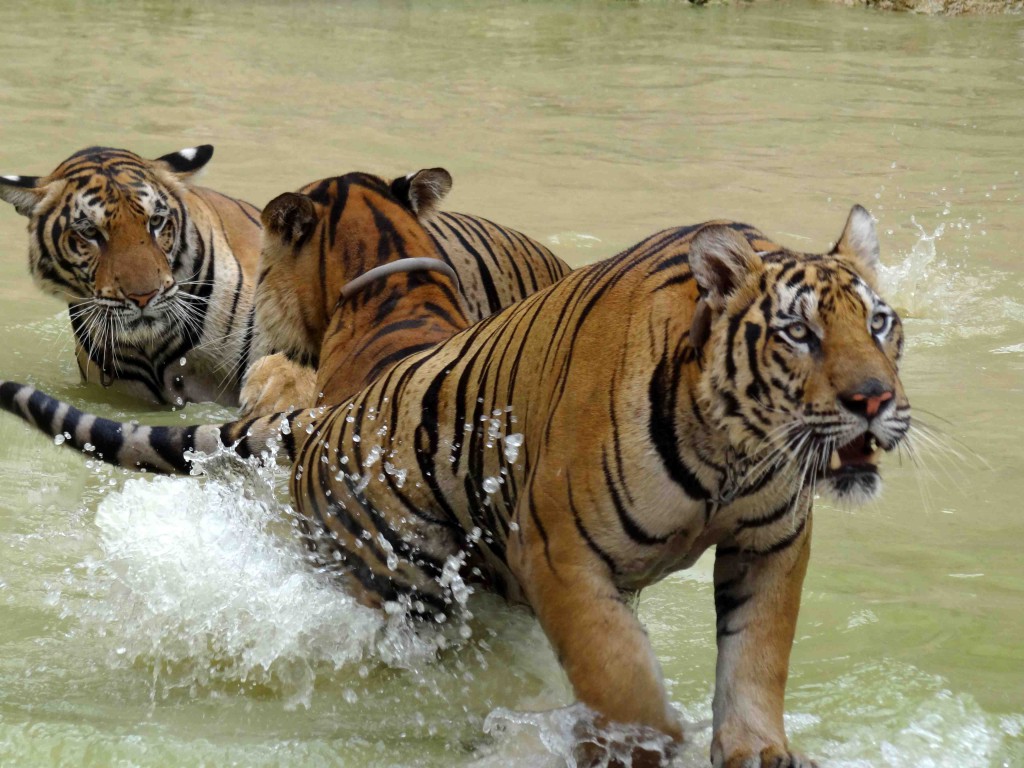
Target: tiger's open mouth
858, 455
852, 473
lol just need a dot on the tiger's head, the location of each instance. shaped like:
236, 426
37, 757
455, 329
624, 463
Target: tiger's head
109, 233
801, 357
323, 236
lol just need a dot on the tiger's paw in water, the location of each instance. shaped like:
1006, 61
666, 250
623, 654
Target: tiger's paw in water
274, 384
769, 757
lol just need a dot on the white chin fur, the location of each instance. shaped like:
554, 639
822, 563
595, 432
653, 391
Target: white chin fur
853, 490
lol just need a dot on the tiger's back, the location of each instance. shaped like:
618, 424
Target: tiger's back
496, 265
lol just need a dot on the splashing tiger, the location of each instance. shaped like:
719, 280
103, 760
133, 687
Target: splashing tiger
693, 392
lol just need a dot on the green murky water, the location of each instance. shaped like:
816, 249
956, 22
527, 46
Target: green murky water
168, 624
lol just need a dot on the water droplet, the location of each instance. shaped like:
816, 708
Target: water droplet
373, 456
491, 484
513, 443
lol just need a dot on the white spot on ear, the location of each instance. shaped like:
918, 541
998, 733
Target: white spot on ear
862, 237
11, 178
408, 176
189, 154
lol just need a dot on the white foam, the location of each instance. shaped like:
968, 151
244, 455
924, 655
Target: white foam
206, 582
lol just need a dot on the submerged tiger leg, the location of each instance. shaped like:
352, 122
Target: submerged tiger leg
757, 598
600, 642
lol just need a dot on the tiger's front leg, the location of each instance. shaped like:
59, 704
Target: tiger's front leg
599, 641
274, 384
757, 598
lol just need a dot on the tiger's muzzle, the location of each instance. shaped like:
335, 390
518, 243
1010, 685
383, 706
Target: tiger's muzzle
852, 471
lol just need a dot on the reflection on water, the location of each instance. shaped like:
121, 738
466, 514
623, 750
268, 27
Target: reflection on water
168, 623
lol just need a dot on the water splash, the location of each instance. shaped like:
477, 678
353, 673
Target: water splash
889, 714
552, 739
204, 580
940, 298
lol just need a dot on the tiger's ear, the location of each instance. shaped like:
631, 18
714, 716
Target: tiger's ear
859, 240
289, 217
185, 163
23, 192
721, 260
422, 191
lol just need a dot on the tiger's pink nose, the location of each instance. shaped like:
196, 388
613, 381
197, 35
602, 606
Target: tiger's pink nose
867, 402
142, 299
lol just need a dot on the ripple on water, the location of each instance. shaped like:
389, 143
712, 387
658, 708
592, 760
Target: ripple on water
884, 715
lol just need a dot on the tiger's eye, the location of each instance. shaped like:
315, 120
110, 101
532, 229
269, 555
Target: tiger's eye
878, 322
88, 231
798, 331
157, 221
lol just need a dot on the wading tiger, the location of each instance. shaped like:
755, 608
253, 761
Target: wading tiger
334, 230
692, 392
156, 269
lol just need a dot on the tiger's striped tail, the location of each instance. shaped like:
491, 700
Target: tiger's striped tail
163, 450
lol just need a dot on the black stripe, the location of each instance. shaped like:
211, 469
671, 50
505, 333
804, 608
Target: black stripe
772, 517
41, 408
493, 300
586, 534
171, 444
629, 525
663, 398
785, 542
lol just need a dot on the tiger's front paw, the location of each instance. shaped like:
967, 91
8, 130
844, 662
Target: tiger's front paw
274, 384
771, 756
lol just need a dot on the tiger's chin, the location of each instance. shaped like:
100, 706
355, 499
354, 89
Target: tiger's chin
141, 330
852, 476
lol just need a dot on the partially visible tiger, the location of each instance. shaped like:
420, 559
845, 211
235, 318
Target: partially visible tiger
694, 391
320, 240
333, 230
157, 270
